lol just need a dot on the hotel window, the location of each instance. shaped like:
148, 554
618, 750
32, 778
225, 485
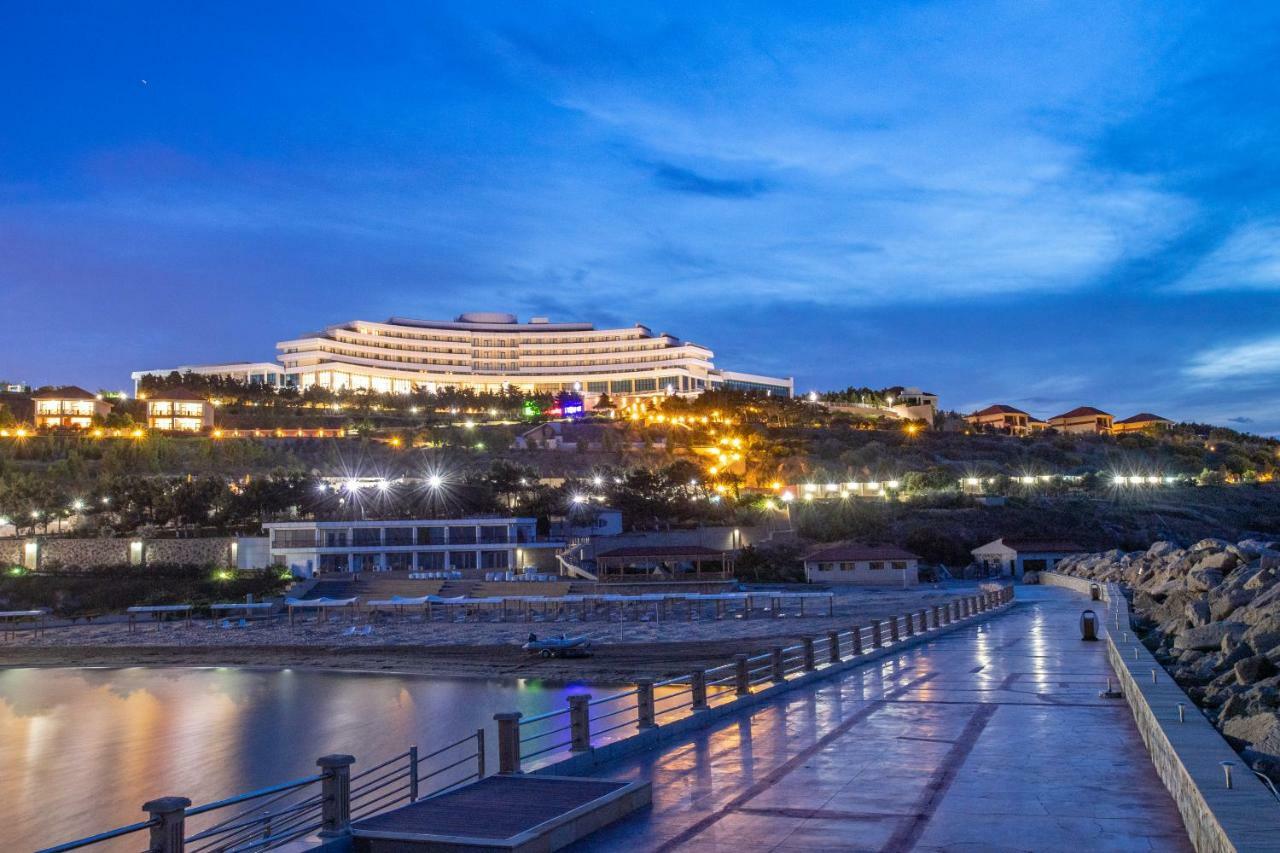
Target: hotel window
430, 535
899, 566
462, 536
462, 559
367, 536
620, 386
597, 387
430, 561
400, 561
494, 560
877, 565
646, 385
493, 535
293, 538
399, 535
335, 538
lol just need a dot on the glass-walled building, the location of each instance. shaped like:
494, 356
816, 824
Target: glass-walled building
308, 548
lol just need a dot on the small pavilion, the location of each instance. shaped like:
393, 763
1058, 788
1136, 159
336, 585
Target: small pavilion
664, 562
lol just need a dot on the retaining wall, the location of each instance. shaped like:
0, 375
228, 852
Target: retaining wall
1187, 755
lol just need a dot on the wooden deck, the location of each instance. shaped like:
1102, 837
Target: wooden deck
515, 813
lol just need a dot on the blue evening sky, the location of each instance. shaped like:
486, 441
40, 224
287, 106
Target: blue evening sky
1045, 204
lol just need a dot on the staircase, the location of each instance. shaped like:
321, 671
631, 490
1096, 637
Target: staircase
571, 566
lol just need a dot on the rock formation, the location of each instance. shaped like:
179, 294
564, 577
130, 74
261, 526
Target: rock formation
1211, 614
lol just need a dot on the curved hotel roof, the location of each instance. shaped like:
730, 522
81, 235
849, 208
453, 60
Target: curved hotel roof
492, 351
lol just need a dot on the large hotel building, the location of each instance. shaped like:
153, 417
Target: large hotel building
492, 352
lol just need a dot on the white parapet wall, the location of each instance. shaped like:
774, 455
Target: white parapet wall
1188, 753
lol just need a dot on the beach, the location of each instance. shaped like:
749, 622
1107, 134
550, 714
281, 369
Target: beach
622, 650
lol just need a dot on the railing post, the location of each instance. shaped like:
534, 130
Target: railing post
580, 722
335, 790
644, 705
508, 741
924, 622
699, 689
810, 662
480, 753
413, 773
741, 676
893, 630
909, 621
779, 674
857, 640
170, 816
833, 643
876, 639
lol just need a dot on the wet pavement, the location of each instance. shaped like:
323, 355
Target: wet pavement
990, 738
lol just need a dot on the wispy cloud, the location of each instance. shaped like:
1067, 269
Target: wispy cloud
1248, 260
682, 180
1253, 362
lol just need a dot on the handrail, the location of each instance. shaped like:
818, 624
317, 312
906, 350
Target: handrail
100, 837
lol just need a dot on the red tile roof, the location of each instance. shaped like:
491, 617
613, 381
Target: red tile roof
1081, 412
1143, 418
855, 551
999, 409
66, 392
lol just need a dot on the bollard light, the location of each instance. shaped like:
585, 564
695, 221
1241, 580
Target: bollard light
1153, 676
1226, 771
1182, 712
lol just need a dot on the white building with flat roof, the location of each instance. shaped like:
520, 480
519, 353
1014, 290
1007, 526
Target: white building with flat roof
468, 545
248, 372
492, 352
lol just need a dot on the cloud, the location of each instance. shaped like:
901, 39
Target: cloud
1240, 420
1253, 362
681, 180
1249, 259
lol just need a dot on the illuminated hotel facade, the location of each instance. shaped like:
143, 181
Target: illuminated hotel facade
492, 352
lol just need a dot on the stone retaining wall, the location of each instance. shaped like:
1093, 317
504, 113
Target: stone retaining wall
1187, 755
57, 553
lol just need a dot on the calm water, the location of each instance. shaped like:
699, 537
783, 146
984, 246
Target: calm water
89, 746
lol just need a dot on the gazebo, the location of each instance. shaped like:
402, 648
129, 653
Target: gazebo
664, 562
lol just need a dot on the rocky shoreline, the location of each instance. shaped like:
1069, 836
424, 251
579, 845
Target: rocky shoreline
1210, 614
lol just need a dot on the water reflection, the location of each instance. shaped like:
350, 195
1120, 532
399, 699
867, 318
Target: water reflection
89, 746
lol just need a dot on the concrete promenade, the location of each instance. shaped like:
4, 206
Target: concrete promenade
990, 738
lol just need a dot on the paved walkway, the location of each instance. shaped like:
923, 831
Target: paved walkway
991, 738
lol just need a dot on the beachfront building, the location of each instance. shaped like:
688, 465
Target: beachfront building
862, 565
1142, 422
249, 372
1013, 557
179, 411
68, 407
1001, 418
1084, 419
492, 352
470, 545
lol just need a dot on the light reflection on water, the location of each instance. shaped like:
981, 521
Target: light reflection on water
89, 746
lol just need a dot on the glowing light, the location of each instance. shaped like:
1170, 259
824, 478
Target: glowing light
579, 499
892, 484
77, 505
775, 485
597, 480
137, 433
383, 485
788, 497
352, 486
435, 481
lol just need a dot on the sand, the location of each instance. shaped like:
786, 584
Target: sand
622, 651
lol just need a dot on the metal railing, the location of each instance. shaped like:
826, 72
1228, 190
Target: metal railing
587, 722
323, 804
